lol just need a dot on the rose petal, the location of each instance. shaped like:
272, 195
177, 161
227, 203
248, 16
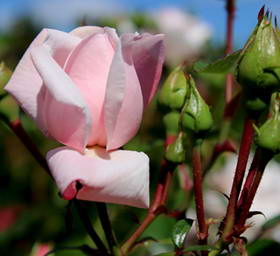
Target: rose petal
123, 107
62, 109
61, 44
88, 66
85, 31
148, 58
25, 83
120, 176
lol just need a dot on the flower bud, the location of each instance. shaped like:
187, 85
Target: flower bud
258, 70
171, 122
175, 152
174, 90
268, 135
196, 115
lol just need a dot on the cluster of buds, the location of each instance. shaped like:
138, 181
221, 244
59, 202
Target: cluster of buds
258, 72
186, 112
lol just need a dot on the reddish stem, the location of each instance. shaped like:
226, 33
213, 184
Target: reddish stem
197, 182
157, 206
229, 88
230, 7
247, 137
167, 183
17, 128
261, 159
246, 187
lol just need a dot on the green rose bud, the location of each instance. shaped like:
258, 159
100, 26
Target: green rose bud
175, 152
174, 90
258, 70
171, 122
196, 115
268, 135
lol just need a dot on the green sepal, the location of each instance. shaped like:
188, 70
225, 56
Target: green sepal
255, 104
176, 152
196, 115
173, 92
225, 65
171, 122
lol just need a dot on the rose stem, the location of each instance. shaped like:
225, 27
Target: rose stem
157, 206
19, 131
82, 212
198, 195
261, 159
247, 137
230, 8
225, 147
231, 103
106, 225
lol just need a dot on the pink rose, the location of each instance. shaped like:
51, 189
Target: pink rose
87, 89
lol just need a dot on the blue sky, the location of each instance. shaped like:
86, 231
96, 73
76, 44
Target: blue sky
57, 12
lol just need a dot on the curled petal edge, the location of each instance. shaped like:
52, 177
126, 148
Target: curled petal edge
119, 176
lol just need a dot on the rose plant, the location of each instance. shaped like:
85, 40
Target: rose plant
87, 89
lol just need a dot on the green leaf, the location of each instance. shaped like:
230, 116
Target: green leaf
222, 66
271, 222
263, 247
180, 230
197, 66
195, 248
165, 254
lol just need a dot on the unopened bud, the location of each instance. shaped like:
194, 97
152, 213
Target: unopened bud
268, 135
171, 122
196, 115
258, 70
175, 152
174, 90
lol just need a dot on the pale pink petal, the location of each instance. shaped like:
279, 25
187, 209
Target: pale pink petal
148, 58
62, 109
85, 31
123, 107
119, 176
25, 83
61, 44
88, 66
